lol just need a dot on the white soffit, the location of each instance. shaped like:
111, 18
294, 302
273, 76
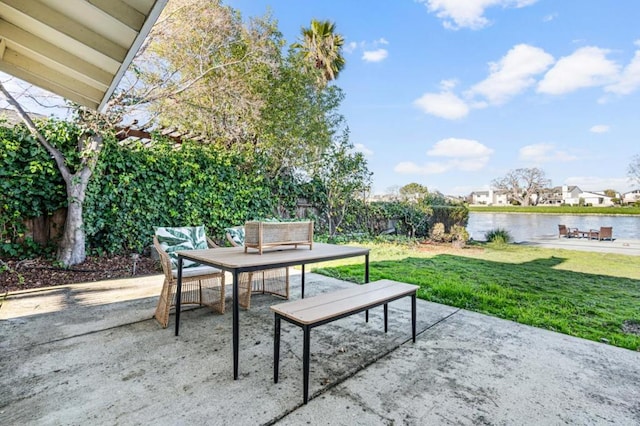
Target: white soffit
78, 49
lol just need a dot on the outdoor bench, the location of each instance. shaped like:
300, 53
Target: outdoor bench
325, 308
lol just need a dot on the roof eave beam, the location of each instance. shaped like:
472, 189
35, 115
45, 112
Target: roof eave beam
152, 17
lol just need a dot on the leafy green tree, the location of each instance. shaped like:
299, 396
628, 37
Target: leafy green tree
202, 69
298, 121
341, 176
321, 47
413, 192
75, 162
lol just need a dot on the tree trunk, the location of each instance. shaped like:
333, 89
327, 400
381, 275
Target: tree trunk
72, 250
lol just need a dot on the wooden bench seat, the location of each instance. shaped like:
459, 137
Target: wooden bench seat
325, 308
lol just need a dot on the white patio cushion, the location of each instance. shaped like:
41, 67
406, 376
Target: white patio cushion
175, 239
195, 271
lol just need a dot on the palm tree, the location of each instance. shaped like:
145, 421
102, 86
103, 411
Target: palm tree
322, 49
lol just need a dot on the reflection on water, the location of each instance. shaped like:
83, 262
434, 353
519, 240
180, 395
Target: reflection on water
523, 227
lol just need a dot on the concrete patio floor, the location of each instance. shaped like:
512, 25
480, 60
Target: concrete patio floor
91, 354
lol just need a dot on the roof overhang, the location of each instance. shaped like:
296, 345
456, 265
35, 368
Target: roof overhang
78, 49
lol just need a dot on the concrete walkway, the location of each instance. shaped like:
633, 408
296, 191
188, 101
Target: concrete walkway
618, 246
91, 354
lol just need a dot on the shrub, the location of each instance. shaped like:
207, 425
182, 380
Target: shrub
437, 232
498, 236
459, 233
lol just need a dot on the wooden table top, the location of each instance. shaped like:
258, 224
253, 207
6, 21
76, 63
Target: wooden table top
231, 258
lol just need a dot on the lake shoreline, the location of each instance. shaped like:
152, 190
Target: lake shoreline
556, 213
535, 226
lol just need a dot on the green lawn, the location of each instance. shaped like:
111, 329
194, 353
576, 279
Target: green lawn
589, 295
617, 210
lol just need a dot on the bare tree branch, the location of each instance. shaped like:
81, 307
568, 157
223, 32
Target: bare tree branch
55, 153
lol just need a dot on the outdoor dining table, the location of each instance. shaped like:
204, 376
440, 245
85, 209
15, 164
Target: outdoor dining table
236, 261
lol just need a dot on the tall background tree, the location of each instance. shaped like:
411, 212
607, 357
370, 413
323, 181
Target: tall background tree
76, 166
321, 48
202, 71
414, 192
522, 184
634, 169
340, 176
229, 80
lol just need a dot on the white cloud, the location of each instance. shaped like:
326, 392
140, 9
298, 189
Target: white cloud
462, 154
444, 105
411, 168
375, 55
468, 13
599, 128
513, 73
350, 47
544, 153
550, 17
363, 149
586, 67
457, 147
447, 85
595, 183
371, 50
629, 78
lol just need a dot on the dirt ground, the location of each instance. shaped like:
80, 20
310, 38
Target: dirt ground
28, 274
35, 273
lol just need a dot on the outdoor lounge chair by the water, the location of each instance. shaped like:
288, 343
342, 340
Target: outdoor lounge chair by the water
605, 233
563, 231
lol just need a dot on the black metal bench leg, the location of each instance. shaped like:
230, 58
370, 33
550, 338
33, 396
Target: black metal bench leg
276, 349
366, 316
386, 316
305, 362
413, 316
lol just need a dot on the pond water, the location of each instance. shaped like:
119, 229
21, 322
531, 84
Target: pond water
523, 227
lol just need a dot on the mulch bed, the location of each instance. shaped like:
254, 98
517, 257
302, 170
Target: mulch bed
36, 273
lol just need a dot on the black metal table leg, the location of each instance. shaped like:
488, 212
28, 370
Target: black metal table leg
303, 280
305, 362
386, 316
276, 348
178, 294
366, 280
413, 316
366, 268
236, 324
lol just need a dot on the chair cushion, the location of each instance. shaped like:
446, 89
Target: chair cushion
195, 271
236, 234
177, 239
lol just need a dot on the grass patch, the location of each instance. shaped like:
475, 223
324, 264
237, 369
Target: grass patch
583, 294
615, 210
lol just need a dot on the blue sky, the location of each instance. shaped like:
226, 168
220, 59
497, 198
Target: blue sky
453, 94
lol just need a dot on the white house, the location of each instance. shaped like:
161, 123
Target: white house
489, 198
560, 195
571, 195
631, 197
597, 199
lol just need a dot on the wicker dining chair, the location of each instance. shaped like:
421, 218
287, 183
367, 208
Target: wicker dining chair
269, 281
201, 285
